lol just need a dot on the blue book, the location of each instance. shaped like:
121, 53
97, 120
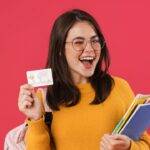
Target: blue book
138, 122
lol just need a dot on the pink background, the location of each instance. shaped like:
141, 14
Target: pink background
24, 34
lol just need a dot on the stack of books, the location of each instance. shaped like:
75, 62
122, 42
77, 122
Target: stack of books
137, 118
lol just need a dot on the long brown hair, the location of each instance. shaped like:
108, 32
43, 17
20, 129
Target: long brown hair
64, 91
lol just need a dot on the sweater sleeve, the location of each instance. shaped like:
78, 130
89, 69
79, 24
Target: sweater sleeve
37, 136
144, 142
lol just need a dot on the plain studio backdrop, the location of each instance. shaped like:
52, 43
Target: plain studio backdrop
24, 36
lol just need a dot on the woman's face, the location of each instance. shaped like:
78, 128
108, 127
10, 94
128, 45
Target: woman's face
83, 54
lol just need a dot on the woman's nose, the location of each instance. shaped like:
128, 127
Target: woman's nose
89, 48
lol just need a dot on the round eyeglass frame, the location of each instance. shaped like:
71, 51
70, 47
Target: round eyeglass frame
100, 41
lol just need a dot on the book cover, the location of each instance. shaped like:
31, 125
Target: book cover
139, 99
139, 121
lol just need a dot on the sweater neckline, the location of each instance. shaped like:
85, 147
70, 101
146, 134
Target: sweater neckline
85, 87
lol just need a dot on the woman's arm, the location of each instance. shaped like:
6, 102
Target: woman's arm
37, 136
38, 133
31, 104
125, 90
142, 144
122, 142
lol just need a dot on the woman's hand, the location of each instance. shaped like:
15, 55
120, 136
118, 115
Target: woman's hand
29, 103
115, 142
148, 100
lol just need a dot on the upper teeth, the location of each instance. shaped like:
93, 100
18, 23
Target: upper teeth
87, 58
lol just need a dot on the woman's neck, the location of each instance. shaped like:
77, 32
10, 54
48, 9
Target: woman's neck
78, 79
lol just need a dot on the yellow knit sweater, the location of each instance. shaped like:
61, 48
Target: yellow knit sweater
82, 126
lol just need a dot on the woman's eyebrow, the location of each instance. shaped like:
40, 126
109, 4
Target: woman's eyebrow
82, 38
79, 37
94, 36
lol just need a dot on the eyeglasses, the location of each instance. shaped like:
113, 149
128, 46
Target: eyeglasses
79, 44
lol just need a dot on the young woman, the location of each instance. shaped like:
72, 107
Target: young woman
85, 100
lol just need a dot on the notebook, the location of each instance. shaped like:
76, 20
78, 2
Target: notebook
138, 122
137, 111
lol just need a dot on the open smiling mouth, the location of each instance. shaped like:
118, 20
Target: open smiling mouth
87, 61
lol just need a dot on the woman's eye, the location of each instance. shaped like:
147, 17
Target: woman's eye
78, 42
95, 41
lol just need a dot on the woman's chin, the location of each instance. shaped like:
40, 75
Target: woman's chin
87, 73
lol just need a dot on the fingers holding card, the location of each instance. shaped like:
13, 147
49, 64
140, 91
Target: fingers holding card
31, 102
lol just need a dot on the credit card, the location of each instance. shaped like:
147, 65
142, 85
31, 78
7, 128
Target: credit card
42, 77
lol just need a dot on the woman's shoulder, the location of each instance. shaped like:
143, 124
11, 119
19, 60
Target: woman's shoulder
119, 81
122, 85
